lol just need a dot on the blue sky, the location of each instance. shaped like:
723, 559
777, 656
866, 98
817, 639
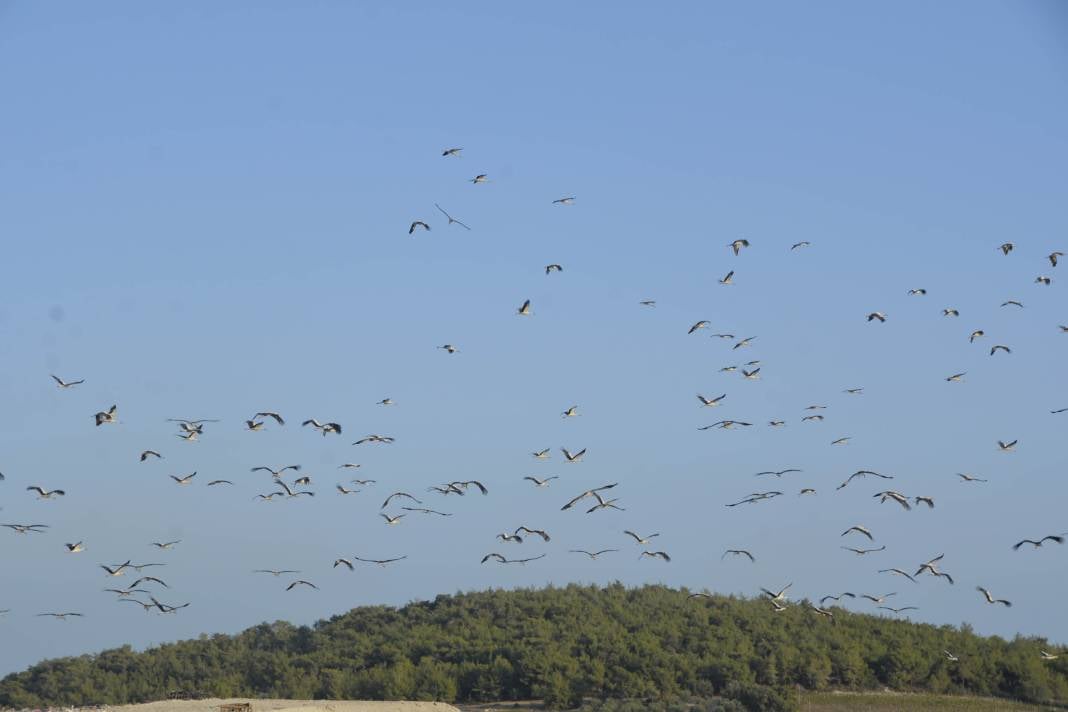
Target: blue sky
205, 214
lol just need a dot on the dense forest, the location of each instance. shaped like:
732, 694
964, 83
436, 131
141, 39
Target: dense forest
564, 645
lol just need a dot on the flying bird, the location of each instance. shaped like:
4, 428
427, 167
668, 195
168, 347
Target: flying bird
537, 532
291, 493
465, 484
845, 594
978, 333
418, 223
524, 310
737, 246
877, 599
655, 555
725, 425
1007, 447
738, 552
640, 540
587, 493
1000, 347
65, 384
75, 548
301, 582
150, 453
375, 439
860, 530
541, 483
957, 377
44, 493
863, 473
710, 402
324, 428
950, 312
450, 218
1058, 538
381, 562
164, 545
451, 152
898, 572
150, 579
592, 554
969, 478
1013, 303
877, 315
728, 279
423, 510
803, 243
703, 324
269, 414
392, 520
991, 599
549, 269
777, 473
184, 480
277, 474
894, 496
573, 457
26, 528
917, 292
603, 503
480, 178
564, 201
780, 596
111, 415
119, 570
862, 552
449, 348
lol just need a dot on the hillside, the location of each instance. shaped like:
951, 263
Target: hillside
561, 645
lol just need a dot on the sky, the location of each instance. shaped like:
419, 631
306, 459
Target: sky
205, 214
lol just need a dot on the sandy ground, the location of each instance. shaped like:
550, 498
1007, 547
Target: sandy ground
211, 705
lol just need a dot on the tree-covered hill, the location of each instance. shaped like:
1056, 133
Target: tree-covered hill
560, 644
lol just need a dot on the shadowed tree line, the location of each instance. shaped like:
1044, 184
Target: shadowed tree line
562, 645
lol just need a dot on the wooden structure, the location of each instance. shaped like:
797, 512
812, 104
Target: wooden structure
236, 707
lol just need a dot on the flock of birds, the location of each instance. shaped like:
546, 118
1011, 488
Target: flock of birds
287, 482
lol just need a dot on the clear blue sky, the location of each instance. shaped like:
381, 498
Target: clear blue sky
204, 211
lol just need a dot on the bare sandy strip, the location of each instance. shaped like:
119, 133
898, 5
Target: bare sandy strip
211, 705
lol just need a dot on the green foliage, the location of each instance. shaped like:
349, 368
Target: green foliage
569, 646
